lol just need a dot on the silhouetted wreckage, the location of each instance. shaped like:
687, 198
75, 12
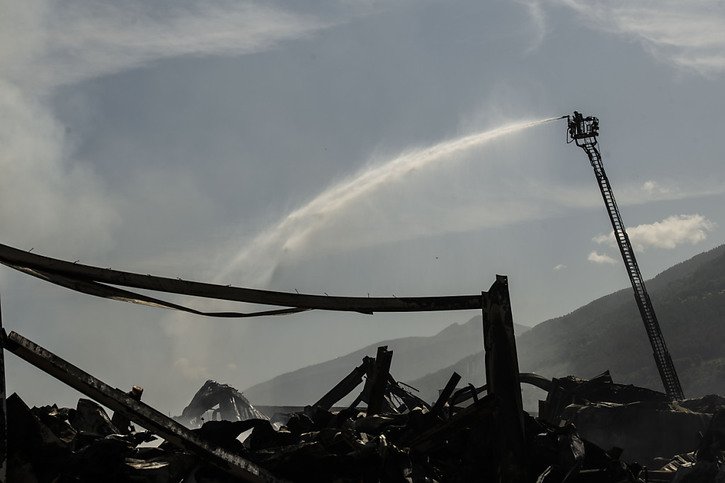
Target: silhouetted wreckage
460, 437
587, 430
218, 402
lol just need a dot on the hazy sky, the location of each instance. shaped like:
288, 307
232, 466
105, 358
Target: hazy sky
337, 148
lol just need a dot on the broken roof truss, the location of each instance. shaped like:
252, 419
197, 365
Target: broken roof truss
104, 282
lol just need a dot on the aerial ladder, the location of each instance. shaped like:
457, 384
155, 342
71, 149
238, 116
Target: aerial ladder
584, 131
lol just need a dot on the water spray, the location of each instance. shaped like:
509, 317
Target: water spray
294, 230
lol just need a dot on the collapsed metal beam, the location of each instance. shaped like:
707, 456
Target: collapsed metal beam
531, 378
137, 411
89, 279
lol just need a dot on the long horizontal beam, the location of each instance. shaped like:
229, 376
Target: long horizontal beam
137, 411
29, 262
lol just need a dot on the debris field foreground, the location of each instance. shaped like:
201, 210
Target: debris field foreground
465, 435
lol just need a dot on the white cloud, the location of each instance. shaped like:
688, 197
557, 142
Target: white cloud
602, 258
654, 188
45, 44
690, 35
668, 233
559, 267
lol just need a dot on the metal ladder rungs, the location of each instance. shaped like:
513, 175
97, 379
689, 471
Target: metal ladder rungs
664, 362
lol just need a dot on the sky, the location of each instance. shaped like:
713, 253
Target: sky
342, 147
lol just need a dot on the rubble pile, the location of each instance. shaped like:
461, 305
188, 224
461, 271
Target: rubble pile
646, 423
65, 444
456, 439
48, 444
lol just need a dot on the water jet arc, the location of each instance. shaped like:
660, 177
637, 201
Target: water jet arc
295, 228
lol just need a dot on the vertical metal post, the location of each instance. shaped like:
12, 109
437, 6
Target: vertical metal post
376, 397
502, 377
3, 409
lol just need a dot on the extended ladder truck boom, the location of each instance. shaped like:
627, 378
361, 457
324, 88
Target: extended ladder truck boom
584, 131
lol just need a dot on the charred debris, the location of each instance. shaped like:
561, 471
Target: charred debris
467, 434
586, 430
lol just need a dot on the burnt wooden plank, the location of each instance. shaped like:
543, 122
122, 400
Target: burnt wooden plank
437, 435
446, 393
379, 380
345, 386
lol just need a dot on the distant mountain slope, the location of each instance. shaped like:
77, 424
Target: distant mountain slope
689, 300
412, 357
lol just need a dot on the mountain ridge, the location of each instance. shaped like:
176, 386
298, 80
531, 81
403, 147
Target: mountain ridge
413, 357
607, 333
